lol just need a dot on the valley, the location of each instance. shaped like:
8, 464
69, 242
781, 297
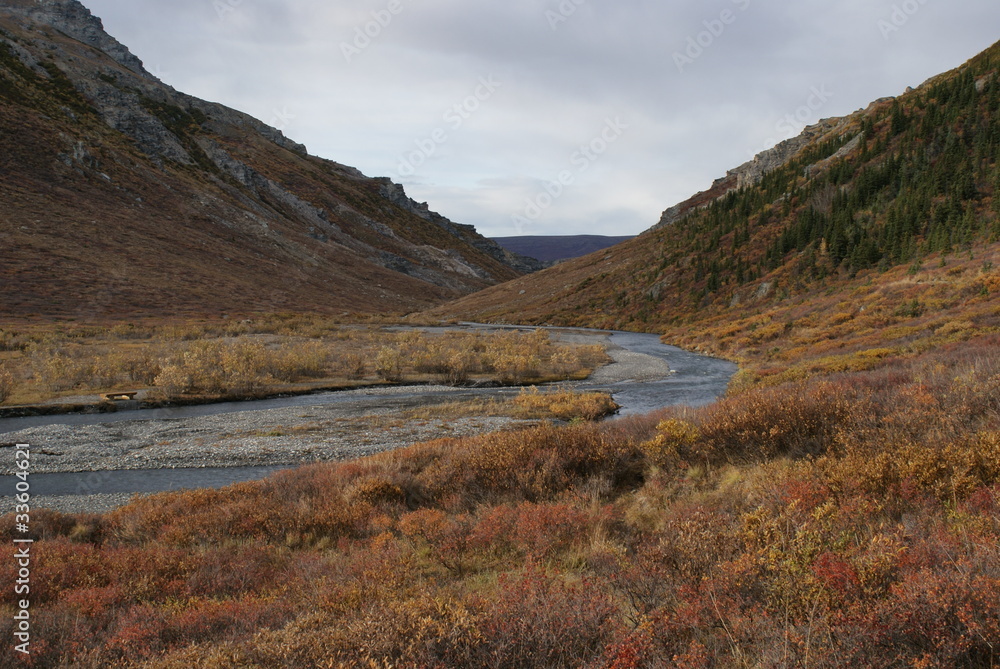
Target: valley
363, 435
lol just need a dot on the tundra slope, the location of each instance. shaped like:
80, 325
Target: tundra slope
124, 197
867, 236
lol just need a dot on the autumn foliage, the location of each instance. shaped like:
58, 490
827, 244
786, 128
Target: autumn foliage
206, 361
851, 520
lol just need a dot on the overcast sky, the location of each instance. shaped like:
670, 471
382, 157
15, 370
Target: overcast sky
548, 116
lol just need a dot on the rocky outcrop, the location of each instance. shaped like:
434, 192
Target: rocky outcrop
211, 195
74, 20
753, 171
396, 194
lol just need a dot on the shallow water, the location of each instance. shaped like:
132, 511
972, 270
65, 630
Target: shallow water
697, 380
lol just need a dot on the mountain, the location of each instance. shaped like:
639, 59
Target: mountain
876, 232
555, 248
122, 197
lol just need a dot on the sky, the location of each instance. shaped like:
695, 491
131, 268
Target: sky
548, 117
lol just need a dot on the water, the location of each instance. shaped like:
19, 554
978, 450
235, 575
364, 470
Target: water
8, 425
697, 380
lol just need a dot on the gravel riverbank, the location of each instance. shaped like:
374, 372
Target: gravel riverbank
364, 422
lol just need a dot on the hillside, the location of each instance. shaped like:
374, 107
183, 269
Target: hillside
122, 197
550, 249
839, 508
868, 235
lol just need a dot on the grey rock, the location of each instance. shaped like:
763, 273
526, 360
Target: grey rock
396, 194
73, 19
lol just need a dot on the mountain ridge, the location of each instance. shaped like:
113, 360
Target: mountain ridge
878, 230
180, 205
555, 248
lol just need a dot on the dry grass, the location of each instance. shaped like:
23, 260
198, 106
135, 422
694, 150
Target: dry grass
274, 353
564, 404
6, 384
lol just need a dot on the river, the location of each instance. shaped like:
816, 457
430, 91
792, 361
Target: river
647, 375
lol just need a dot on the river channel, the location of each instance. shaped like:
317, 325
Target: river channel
646, 375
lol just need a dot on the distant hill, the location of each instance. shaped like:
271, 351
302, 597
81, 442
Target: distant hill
552, 249
120, 196
879, 231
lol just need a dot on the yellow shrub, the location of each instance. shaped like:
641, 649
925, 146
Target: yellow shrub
565, 404
876, 353
6, 384
173, 380
389, 364
840, 318
672, 442
954, 327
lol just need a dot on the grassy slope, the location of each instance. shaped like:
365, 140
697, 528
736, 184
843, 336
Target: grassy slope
892, 246
93, 228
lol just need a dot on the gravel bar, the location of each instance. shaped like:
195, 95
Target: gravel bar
368, 421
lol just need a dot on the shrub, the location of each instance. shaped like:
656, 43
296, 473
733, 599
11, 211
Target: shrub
6, 384
389, 364
564, 404
173, 380
217, 367
761, 424
538, 620
673, 438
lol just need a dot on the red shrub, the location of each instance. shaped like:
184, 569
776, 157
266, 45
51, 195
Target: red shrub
539, 620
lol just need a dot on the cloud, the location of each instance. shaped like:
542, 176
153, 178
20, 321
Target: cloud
565, 68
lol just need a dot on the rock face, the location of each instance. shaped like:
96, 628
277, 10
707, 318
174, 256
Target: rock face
74, 20
752, 172
395, 194
105, 170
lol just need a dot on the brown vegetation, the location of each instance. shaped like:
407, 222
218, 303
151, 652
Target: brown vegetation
276, 353
6, 384
564, 404
850, 520
106, 223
